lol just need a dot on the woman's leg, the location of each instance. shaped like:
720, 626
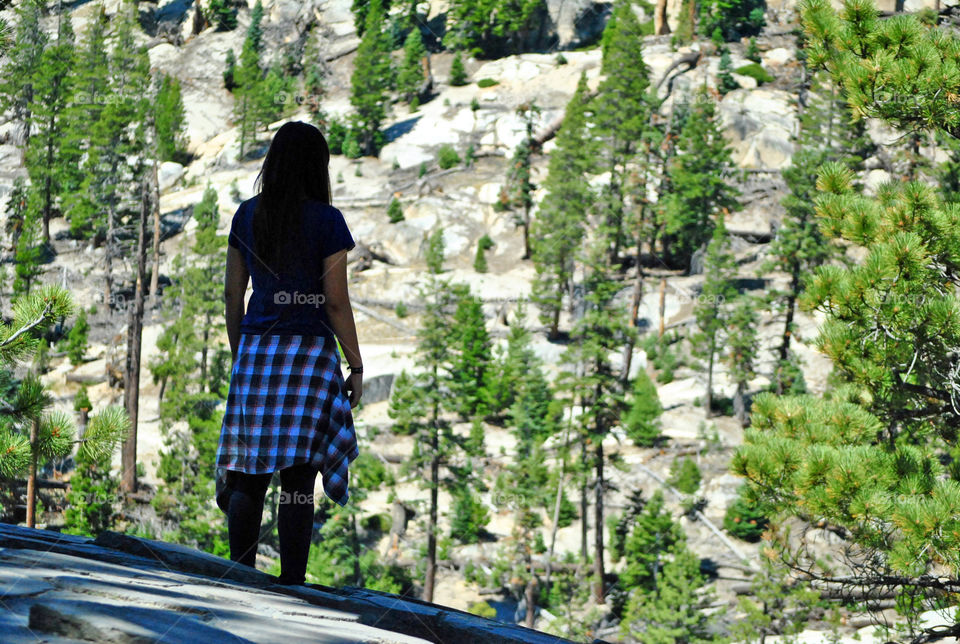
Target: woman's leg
295, 521
244, 513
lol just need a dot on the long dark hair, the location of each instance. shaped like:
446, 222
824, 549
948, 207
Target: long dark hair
296, 168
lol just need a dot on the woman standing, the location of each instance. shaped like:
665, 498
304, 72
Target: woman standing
288, 408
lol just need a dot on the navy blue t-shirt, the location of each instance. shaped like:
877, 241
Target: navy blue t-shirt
285, 301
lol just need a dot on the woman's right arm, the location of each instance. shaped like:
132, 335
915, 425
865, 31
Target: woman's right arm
336, 302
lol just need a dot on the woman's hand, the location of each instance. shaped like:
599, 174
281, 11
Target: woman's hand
355, 387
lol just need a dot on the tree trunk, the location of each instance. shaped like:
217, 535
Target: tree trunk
739, 404
583, 500
663, 304
108, 260
660, 25
787, 332
32, 475
531, 596
598, 591
155, 261
131, 389
431, 570
708, 405
48, 185
634, 304
554, 331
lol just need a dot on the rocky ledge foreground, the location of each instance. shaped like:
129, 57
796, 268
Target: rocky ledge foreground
59, 588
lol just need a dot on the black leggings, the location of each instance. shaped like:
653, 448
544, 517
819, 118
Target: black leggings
294, 521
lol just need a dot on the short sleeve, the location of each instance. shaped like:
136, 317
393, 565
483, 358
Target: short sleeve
234, 237
338, 235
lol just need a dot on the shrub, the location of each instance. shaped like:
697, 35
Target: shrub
480, 261
487, 82
395, 211
470, 517
753, 52
482, 609
642, 422
81, 400
561, 59
447, 157
756, 72
685, 475
458, 75
77, 339
745, 518
336, 133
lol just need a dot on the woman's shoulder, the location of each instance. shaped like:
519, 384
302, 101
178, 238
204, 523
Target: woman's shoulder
321, 208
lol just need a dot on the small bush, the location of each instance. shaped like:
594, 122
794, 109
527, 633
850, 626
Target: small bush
756, 72
487, 82
561, 59
395, 211
482, 609
474, 104
400, 310
685, 475
378, 523
745, 519
458, 75
447, 157
753, 52
336, 133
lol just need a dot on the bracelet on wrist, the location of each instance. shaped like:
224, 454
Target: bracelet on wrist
355, 369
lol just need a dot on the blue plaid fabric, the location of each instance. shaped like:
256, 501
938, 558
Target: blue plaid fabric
287, 405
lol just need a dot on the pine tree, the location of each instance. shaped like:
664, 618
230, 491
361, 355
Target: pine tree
642, 421
314, 81
559, 226
491, 29
741, 350
727, 82
30, 250
170, 120
458, 74
602, 330
193, 368
371, 80
77, 338
395, 211
50, 159
711, 309
471, 356
29, 432
622, 115
699, 184
410, 76
273, 96
83, 197
229, 71
872, 454
734, 19
674, 611
248, 78
255, 29
19, 74
520, 186
433, 255
223, 14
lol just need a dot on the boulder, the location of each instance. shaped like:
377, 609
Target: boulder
759, 124
168, 174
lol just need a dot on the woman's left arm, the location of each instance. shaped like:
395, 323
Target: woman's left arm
234, 288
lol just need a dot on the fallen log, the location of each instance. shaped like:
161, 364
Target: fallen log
86, 379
